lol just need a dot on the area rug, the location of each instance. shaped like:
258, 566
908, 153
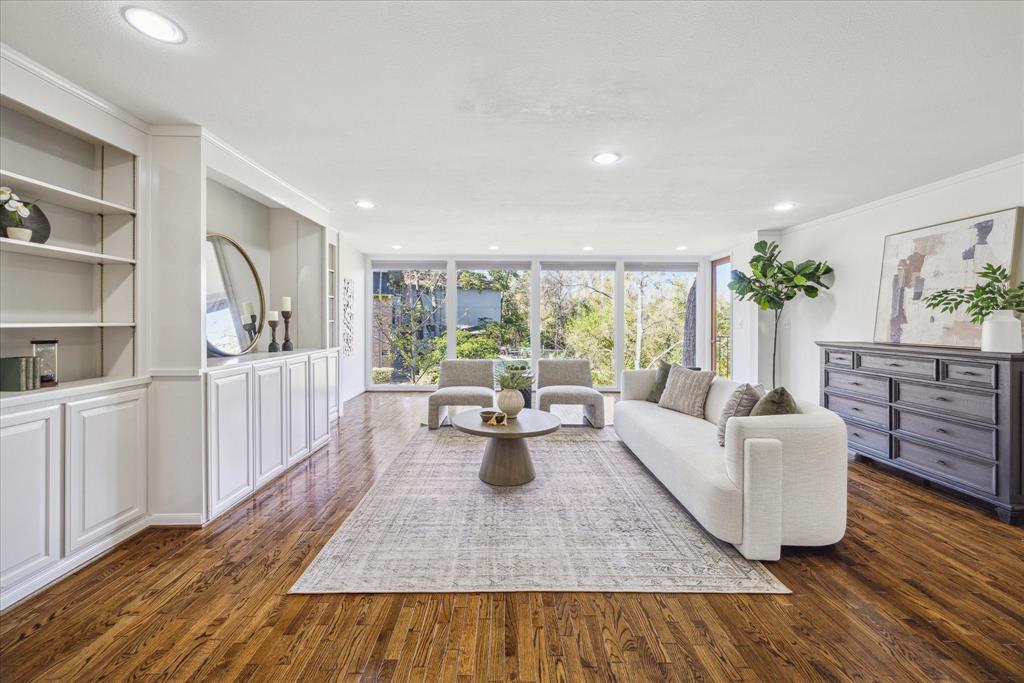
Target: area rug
594, 519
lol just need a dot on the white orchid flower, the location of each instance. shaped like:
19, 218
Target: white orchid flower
12, 205
15, 197
23, 211
5, 194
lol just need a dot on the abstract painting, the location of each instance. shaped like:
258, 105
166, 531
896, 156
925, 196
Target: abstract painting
348, 317
918, 262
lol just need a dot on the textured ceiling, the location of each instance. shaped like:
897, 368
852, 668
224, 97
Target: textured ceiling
472, 124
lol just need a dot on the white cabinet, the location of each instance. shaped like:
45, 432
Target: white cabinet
333, 385
271, 442
30, 493
297, 371
105, 478
230, 434
319, 384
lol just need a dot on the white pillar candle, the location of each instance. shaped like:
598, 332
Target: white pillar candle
248, 308
272, 315
286, 303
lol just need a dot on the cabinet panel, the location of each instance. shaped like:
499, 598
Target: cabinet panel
297, 371
230, 429
106, 466
319, 423
30, 495
333, 384
271, 443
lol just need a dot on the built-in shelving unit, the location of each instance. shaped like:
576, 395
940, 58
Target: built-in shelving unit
80, 285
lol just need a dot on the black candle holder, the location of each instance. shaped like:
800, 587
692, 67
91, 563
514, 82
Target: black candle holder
274, 346
250, 327
287, 345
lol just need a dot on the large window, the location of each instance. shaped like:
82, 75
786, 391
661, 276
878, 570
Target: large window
659, 315
578, 315
493, 311
721, 317
409, 324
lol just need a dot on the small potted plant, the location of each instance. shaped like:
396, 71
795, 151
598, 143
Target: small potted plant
510, 398
993, 303
16, 211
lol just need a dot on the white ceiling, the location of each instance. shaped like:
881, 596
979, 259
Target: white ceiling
473, 124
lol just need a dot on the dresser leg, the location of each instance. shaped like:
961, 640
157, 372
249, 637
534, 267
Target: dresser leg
1009, 516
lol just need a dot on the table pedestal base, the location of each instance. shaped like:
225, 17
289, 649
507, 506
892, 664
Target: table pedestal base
507, 463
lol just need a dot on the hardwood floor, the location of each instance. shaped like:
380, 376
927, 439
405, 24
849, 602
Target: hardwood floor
921, 588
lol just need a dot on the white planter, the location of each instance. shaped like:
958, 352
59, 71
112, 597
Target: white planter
510, 402
1001, 332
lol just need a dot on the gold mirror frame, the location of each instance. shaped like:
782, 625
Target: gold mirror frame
259, 289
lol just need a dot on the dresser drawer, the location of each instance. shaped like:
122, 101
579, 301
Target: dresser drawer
922, 368
866, 385
860, 411
968, 374
873, 441
980, 440
839, 358
966, 471
975, 406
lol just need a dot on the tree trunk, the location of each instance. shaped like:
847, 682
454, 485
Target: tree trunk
775, 343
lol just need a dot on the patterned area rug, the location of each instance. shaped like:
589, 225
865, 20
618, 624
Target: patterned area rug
594, 519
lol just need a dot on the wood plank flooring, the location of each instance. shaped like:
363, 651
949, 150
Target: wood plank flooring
922, 588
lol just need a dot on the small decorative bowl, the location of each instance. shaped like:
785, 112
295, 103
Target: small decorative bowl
21, 234
493, 417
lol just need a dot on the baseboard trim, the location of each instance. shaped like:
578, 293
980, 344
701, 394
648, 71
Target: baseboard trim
34, 584
176, 519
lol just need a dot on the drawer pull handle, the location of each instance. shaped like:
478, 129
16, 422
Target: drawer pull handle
939, 398
856, 434
855, 409
940, 462
895, 365
855, 384
968, 373
940, 430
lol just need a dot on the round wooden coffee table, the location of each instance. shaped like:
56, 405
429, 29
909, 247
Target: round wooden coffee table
507, 456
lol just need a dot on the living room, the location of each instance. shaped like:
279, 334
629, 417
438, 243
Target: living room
458, 341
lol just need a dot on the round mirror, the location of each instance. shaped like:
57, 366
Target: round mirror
235, 310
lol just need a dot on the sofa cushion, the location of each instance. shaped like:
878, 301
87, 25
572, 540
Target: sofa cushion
660, 378
462, 396
569, 395
778, 401
718, 395
742, 401
686, 390
682, 452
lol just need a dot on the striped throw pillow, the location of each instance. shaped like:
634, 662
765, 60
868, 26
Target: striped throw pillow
686, 390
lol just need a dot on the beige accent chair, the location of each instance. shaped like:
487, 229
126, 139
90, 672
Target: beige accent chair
568, 382
462, 383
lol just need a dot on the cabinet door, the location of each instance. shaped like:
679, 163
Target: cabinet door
319, 385
29, 493
106, 466
229, 430
271, 442
298, 408
333, 385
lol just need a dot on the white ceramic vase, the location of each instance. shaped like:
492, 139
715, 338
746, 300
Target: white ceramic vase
1001, 332
510, 402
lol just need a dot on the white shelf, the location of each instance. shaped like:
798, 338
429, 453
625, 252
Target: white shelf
31, 189
65, 390
48, 325
44, 250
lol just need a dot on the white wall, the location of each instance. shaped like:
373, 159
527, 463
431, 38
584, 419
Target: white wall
245, 220
353, 367
851, 242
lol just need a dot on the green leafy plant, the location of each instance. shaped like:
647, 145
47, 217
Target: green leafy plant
994, 293
515, 380
773, 282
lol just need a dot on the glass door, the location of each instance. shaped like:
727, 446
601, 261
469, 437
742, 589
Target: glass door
721, 317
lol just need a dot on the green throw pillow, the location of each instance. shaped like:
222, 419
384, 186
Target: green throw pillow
776, 402
660, 379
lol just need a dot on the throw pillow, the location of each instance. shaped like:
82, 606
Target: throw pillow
776, 402
739, 404
686, 390
660, 378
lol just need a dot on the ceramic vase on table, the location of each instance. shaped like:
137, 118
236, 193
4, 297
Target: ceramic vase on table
510, 402
1001, 332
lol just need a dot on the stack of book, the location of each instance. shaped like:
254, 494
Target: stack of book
20, 373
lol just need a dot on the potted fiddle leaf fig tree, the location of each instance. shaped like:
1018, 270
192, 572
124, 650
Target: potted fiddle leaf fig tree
773, 282
992, 302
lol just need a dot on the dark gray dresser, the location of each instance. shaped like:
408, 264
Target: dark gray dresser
951, 416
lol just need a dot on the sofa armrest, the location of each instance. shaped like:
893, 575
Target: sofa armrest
762, 499
637, 384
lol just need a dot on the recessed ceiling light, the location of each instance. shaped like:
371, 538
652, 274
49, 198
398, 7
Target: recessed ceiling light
784, 206
156, 26
681, 248
365, 204
588, 249
605, 158
493, 247
396, 246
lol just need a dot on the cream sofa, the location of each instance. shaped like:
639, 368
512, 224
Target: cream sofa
779, 480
